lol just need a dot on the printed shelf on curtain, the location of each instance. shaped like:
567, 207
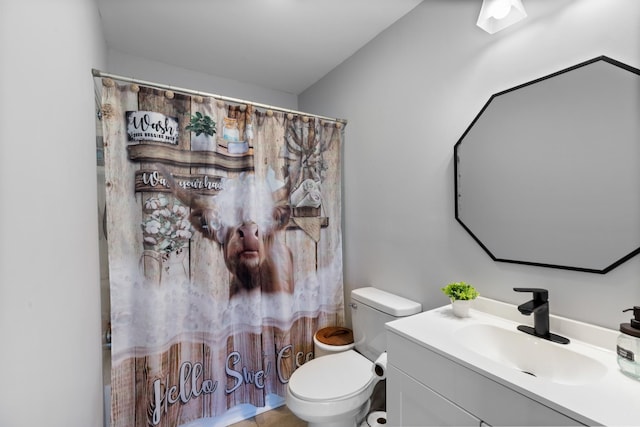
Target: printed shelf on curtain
221, 267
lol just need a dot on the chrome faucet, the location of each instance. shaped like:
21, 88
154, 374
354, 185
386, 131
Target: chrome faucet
539, 306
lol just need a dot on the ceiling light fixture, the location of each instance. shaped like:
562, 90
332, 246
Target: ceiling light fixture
496, 15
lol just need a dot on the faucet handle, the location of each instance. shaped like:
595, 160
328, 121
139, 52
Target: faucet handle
539, 294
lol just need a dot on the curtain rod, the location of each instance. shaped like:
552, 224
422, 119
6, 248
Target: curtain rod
98, 73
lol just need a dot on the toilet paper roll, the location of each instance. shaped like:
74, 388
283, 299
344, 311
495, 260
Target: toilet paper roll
377, 419
380, 366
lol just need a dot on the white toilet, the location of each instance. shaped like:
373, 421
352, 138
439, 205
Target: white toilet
334, 390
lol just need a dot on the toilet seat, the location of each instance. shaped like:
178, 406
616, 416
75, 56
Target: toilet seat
333, 377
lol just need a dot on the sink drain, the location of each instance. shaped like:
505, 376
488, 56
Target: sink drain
529, 373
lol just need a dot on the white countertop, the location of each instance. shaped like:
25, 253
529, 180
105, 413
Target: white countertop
612, 399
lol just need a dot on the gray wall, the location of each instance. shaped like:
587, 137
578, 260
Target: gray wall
409, 95
50, 358
141, 68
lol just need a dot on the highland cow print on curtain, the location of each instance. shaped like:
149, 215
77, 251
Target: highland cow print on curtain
224, 245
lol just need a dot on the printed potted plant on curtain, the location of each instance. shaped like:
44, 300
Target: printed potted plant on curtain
204, 128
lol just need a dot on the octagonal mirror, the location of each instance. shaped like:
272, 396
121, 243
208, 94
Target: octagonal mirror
548, 173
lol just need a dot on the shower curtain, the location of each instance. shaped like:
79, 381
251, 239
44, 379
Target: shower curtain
224, 244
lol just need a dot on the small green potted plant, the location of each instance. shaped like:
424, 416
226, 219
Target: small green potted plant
461, 295
204, 128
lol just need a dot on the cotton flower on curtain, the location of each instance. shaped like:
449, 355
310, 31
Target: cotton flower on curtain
224, 251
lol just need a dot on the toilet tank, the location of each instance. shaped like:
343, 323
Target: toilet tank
371, 308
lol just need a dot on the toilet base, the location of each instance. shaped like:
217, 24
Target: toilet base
317, 414
354, 421
334, 424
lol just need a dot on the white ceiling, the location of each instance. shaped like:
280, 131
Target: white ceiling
285, 45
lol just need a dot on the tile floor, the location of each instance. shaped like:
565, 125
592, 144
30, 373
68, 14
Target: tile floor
279, 417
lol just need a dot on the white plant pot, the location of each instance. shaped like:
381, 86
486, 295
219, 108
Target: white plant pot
461, 307
203, 142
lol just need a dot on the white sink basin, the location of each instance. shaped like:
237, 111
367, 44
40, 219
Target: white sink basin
581, 380
530, 355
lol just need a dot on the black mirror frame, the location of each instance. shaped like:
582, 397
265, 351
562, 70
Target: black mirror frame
456, 172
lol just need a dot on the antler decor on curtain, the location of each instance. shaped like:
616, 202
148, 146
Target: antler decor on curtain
225, 251
306, 144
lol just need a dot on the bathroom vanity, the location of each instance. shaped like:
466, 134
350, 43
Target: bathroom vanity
448, 371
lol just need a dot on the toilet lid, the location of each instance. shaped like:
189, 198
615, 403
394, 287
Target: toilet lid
335, 335
332, 377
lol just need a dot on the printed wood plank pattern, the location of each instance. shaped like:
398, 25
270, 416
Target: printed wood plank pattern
329, 248
207, 261
121, 230
175, 270
277, 352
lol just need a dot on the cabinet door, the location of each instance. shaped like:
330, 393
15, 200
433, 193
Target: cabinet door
410, 403
487, 399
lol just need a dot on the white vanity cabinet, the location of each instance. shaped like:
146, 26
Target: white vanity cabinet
425, 388
410, 403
